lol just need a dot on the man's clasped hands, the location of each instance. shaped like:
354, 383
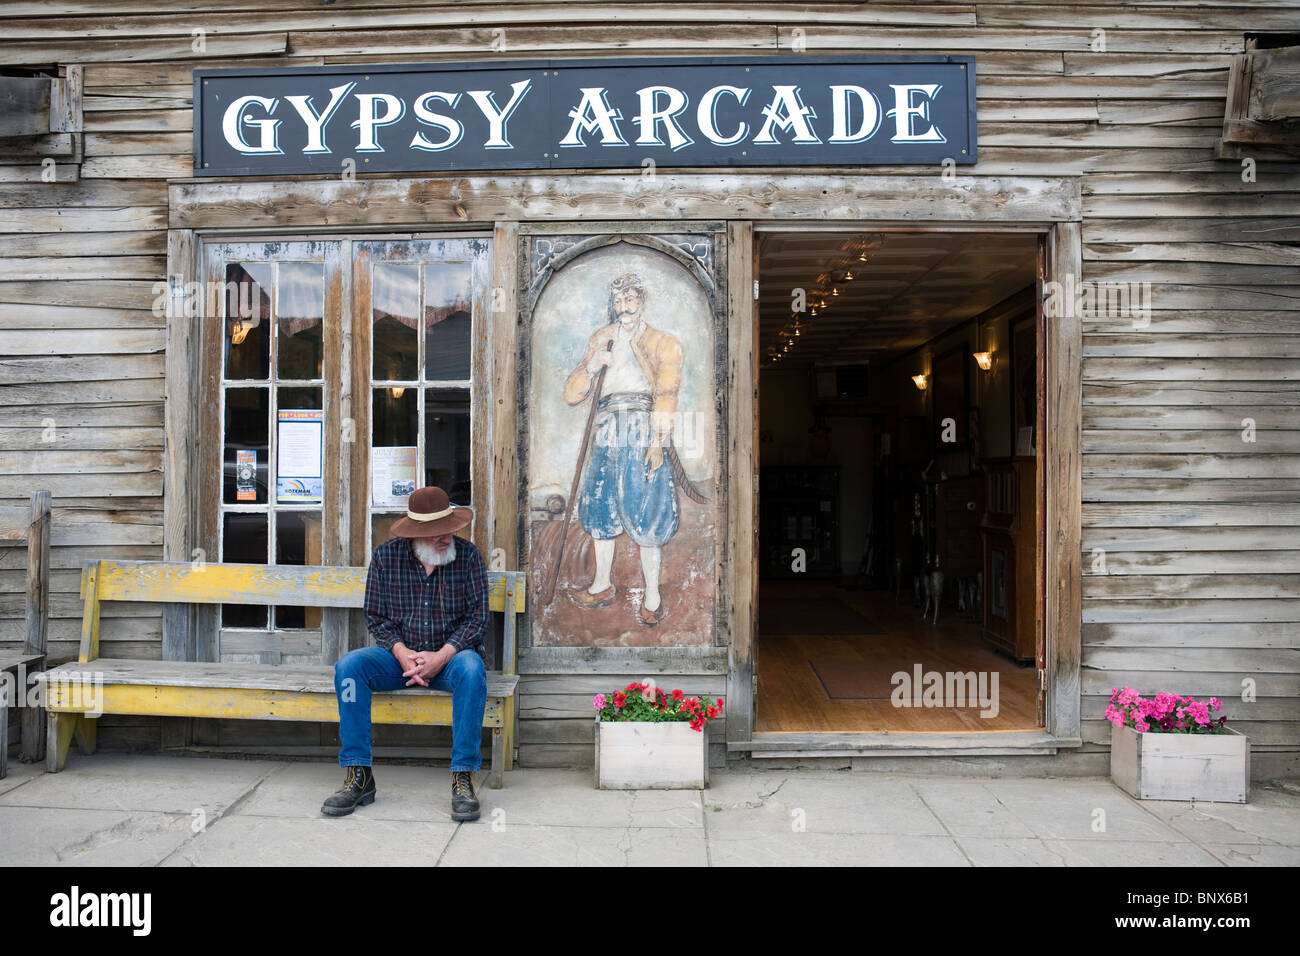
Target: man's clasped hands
422, 666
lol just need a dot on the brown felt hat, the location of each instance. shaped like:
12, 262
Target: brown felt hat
429, 513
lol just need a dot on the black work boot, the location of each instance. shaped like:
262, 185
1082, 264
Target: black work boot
464, 803
358, 791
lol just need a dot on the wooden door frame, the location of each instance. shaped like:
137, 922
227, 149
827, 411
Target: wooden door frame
1059, 496
794, 200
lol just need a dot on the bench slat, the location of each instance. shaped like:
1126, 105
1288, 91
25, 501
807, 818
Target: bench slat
10, 662
240, 703
302, 678
279, 584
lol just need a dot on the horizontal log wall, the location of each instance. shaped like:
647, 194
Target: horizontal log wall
1200, 587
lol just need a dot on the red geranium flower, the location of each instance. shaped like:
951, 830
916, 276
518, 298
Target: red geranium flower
712, 712
719, 705
678, 695
620, 699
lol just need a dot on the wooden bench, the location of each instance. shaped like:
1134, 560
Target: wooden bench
32, 526
250, 691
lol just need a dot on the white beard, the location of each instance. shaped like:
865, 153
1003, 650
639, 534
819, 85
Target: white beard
428, 554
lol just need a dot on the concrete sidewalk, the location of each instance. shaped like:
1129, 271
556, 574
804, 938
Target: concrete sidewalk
150, 810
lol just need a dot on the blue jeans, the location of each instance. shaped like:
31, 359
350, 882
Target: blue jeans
376, 669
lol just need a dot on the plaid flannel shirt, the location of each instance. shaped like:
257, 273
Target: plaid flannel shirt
449, 606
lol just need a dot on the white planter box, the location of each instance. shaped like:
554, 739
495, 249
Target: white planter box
640, 755
1210, 767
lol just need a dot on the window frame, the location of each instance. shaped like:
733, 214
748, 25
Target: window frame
345, 375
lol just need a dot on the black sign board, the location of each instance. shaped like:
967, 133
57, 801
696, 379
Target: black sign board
586, 114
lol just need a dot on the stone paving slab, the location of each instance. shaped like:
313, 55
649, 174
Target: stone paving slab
1270, 818
19, 774
1089, 810
297, 790
129, 782
1254, 854
524, 845
46, 836
1118, 853
324, 841
571, 799
1009, 851
969, 809
750, 848
833, 803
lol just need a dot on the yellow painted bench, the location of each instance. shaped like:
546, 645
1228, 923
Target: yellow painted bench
77, 693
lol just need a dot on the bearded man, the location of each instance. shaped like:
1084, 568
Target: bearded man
426, 606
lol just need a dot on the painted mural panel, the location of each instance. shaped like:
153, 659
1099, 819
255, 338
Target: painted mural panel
622, 441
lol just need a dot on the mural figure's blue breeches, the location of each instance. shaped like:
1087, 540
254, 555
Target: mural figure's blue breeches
619, 494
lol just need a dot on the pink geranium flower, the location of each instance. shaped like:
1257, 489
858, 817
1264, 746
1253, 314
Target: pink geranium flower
598, 702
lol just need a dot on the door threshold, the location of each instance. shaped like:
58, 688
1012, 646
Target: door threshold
883, 744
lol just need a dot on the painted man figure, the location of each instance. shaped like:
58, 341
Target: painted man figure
426, 607
630, 484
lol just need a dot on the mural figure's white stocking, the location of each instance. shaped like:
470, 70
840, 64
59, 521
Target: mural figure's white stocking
650, 569
604, 561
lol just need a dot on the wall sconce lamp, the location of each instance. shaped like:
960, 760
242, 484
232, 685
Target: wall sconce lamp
921, 381
984, 360
835, 290
398, 391
239, 332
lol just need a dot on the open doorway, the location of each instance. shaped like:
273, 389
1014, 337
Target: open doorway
900, 512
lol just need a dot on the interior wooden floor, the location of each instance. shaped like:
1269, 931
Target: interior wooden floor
793, 698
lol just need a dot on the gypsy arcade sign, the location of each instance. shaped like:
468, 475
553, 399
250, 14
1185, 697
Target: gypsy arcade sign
586, 114
623, 342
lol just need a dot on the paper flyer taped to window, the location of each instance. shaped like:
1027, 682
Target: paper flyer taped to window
299, 434
245, 474
392, 476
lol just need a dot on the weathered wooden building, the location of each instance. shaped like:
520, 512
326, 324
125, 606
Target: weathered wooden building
1143, 149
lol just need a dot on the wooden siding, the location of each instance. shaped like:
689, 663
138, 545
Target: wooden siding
1201, 581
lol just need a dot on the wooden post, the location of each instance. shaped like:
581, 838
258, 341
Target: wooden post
178, 408
1062, 434
742, 414
340, 442
504, 528
38, 613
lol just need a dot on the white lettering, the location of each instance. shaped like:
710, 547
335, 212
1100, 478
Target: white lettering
706, 115
787, 112
904, 109
316, 122
497, 118
840, 109
230, 125
425, 115
591, 114
650, 117
368, 121
72, 909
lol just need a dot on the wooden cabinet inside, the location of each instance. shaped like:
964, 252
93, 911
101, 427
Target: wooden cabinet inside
1009, 530
800, 508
